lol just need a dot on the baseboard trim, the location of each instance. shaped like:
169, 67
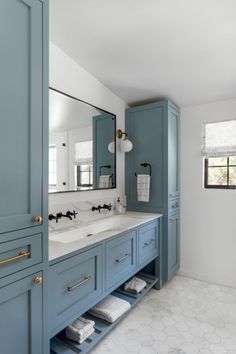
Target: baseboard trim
203, 277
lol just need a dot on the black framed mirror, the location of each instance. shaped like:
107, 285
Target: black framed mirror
82, 149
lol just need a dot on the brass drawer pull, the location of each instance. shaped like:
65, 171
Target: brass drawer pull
15, 258
77, 285
118, 260
147, 243
38, 220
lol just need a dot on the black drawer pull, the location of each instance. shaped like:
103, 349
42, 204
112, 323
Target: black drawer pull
80, 283
118, 260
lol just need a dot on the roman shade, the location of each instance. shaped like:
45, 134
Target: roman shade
84, 153
219, 139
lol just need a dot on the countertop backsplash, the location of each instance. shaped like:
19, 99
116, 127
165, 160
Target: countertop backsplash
84, 210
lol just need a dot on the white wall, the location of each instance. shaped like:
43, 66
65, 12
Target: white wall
67, 76
208, 217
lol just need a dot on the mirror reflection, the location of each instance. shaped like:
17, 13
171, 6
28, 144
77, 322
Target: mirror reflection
82, 152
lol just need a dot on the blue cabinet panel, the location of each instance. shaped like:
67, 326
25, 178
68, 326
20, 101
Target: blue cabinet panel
145, 129
120, 258
147, 243
173, 245
21, 317
103, 135
20, 254
173, 153
73, 284
21, 113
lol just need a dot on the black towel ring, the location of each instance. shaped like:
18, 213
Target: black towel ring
105, 166
145, 164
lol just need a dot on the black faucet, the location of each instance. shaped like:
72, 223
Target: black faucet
99, 207
69, 214
60, 215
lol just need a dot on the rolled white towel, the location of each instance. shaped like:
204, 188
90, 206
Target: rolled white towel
110, 308
135, 285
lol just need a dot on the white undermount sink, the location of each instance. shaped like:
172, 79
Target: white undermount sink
108, 224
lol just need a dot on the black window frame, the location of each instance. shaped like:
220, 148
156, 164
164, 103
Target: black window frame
217, 186
79, 173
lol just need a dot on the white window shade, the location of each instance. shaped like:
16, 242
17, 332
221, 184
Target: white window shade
84, 153
219, 139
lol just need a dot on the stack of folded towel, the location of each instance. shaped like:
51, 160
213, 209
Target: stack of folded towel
110, 309
80, 330
135, 285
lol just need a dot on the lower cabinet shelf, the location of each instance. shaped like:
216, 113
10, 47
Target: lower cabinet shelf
61, 345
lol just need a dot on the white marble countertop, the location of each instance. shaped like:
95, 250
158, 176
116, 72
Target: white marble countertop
59, 249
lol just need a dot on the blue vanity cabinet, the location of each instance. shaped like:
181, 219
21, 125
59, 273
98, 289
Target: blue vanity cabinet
120, 259
21, 321
74, 283
21, 112
154, 131
148, 243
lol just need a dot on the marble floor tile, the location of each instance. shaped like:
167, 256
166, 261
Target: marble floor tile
186, 317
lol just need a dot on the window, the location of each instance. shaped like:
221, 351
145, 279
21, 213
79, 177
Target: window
52, 171
84, 175
220, 172
84, 164
219, 150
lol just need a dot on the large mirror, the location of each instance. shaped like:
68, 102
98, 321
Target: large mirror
82, 153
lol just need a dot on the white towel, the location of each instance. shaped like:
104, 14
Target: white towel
135, 285
143, 187
80, 329
110, 309
105, 181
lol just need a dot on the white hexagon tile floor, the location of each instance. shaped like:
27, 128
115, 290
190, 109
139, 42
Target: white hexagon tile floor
186, 317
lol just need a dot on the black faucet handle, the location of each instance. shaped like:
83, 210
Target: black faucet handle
74, 214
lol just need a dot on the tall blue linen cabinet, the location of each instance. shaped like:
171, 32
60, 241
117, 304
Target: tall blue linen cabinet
23, 176
154, 131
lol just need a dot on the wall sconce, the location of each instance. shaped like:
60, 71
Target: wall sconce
111, 147
125, 144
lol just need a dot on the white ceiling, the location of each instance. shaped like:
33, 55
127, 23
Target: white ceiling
143, 50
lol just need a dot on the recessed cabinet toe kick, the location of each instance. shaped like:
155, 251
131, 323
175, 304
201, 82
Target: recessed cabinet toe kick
77, 282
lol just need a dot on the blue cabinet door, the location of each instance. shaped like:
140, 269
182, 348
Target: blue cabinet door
21, 317
173, 245
21, 113
173, 153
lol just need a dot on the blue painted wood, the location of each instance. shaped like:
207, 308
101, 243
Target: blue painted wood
63, 303
21, 113
61, 345
153, 128
23, 177
120, 258
147, 243
31, 244
21, 318
173, 246
103, 134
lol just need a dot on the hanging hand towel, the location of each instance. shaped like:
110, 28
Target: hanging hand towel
143, 188
105, 181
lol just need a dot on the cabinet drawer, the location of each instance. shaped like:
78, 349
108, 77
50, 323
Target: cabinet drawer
73, 284
120, 258
173, 206
147, 243
20, 254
